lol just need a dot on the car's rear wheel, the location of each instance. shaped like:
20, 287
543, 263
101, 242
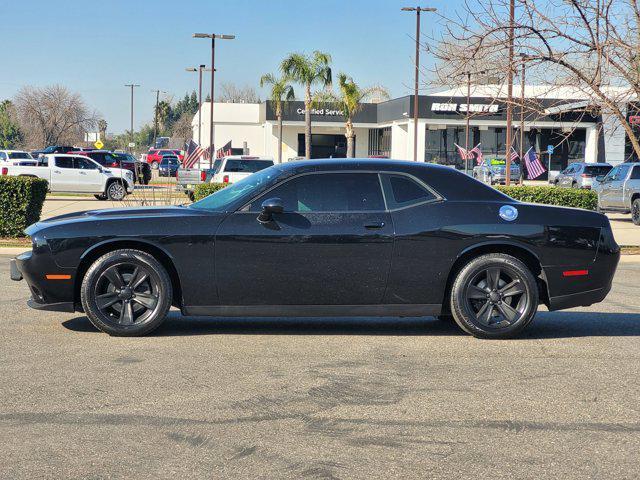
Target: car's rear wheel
101, 196
635, 211
494, 296
126, 293
154, 165
116, 191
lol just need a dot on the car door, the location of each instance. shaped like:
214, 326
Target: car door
604, 192
332, 244
64, 177
615, 193
89, 175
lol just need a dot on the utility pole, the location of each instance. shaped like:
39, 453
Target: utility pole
132, 86
155, 116
510, 93
417, 76
213, 37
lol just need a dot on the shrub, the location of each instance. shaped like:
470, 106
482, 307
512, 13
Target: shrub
21, 200
563, 197
206, 189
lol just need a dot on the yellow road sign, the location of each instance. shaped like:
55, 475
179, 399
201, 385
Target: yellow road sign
98, 144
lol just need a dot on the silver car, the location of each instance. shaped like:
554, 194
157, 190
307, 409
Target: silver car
493, 171
581, 174
619, 190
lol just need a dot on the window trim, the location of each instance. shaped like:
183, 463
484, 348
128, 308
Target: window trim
437, 196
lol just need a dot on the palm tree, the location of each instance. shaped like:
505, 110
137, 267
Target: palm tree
349, 101
280, 90
308, 70
163, 114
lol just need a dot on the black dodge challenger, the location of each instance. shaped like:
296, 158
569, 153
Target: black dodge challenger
325, 238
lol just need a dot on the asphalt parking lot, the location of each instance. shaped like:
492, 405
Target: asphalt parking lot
336, 398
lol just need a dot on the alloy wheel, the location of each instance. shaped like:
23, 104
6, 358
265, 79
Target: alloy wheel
635, 212
127, 294
497, 297
116, 191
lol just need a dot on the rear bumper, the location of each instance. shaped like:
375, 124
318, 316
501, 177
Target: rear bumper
581, 299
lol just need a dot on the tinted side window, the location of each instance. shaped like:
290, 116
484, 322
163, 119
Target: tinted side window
622, 172
328, 192
3, 156
246, 166
635, 175
402, 191
64, 162
84, 164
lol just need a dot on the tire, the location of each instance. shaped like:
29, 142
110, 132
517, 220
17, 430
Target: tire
154, 165
126, 293
101, 196
479, 305
574, 185
116, 191
635, 211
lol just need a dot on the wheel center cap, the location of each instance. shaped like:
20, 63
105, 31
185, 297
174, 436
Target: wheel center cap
494, 296
125, 293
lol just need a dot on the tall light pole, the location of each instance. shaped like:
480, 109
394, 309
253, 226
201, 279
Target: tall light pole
213, 37
200, 69
468, 115
524, 58
155, 116
132, 86
415, 90
508, 142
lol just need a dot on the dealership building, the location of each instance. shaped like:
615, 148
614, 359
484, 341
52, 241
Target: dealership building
552, 117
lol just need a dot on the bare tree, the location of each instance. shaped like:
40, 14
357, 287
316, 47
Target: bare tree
231, 93
53, 115
578, 48
182, 127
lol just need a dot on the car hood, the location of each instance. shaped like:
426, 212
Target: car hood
109, 214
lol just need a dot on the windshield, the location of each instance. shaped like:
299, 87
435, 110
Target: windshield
222, 200
169, 160
20, 155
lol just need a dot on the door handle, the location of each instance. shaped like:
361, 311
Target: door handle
374, 225
56, 171
83, 173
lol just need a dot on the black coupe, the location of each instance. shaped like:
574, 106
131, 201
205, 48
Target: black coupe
325, 238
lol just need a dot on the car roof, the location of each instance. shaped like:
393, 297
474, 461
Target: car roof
593, 164
358, 164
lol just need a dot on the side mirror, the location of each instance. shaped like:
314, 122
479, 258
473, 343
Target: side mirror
269, 207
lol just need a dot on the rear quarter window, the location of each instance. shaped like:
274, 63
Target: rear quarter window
597, 170
403, 191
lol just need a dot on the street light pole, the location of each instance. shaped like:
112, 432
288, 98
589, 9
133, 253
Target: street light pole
213, 37
509, 93
132, 86
417, 75
200, 69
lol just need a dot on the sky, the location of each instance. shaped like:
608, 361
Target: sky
95, 48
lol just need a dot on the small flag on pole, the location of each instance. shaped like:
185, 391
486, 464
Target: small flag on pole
224, 151
464, 153
478, 153
533, 164
193, 154
514, 155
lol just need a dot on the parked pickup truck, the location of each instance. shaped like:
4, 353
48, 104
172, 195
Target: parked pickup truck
76, 173
225, 170
619, 190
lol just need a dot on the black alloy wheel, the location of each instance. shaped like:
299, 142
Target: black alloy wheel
494, 296
635, 211
126, 292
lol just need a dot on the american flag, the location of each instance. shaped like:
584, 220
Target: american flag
513, 155
534, 166
194, 152
478, 153
464, 153
224, 151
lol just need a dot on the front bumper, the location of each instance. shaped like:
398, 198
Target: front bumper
52, 295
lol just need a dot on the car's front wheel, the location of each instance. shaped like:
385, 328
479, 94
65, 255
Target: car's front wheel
635, 211
126, 293
116, 191
494, 296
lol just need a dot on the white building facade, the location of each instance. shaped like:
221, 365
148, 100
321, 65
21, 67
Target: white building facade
386, 129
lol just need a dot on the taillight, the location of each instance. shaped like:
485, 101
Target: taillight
203, 175
225, 179
5, 171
